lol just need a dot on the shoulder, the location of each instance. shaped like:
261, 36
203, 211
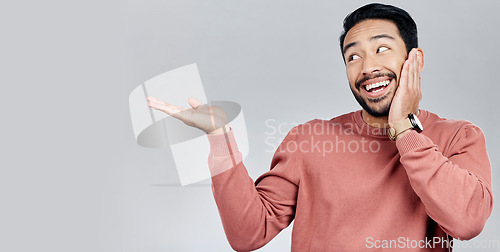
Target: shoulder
324, 126
441, 125
447, 133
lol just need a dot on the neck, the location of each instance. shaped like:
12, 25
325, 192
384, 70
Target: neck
379, 122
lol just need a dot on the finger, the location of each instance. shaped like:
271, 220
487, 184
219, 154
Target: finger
420, 60
163, 106
156, 101
418, 82
410, 70
413, 69
194, 103
418, 74
212, 118
403, 82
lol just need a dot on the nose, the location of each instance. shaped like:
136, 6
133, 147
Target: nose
370, 65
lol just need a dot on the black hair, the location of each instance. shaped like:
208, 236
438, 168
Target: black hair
406, 26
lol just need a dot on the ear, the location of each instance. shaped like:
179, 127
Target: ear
420, 58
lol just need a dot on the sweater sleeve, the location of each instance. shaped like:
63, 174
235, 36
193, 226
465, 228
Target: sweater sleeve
455, 190
252, 213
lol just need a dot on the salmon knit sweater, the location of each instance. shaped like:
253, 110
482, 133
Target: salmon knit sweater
349, 188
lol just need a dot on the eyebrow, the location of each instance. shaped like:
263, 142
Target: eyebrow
380, 36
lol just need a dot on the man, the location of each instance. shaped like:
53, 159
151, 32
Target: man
425, 181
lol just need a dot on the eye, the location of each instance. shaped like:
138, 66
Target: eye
353, 57
382, 49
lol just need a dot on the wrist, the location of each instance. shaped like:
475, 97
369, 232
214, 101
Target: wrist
402, 134
220, 130
393, 123
400, 128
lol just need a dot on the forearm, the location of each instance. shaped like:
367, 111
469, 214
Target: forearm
250, 217
454, 194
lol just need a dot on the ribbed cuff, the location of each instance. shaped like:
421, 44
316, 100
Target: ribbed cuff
411, 141
222, 144
224, 153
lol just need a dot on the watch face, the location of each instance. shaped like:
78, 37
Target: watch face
416, 123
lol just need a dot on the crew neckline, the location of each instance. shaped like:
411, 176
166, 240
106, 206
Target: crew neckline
367, 129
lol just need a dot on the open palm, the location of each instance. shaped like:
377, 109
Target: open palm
211, 119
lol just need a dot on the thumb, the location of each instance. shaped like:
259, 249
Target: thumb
194, 103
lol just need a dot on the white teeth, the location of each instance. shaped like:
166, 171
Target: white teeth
378, 84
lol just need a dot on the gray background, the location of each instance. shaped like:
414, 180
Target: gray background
72, 177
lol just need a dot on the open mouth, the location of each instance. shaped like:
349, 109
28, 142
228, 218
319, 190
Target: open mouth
376, 88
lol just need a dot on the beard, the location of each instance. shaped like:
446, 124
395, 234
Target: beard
375, 111
382, 110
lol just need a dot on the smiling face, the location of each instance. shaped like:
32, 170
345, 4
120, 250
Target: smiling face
374, 55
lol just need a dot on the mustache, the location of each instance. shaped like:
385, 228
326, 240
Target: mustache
390, 75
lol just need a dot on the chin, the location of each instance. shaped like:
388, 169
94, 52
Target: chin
380, 112
377, 108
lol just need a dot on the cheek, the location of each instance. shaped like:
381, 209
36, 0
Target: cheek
351, 75
397, 67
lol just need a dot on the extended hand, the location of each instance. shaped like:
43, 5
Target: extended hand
408, 94
211, 119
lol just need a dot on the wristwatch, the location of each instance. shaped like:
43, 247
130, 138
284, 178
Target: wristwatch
411, 122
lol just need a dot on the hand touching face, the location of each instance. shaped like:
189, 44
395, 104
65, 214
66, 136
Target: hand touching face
374, 55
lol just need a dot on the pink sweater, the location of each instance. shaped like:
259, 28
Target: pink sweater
349, 188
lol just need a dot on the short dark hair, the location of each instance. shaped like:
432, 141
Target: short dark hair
406, 26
